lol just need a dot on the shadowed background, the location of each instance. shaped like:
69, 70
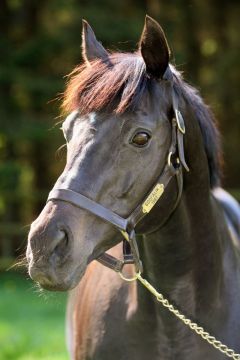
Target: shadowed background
40, 44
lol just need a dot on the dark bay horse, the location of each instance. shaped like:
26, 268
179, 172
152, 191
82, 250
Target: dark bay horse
133, 119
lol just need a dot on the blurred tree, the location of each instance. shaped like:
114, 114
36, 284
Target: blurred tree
40, 43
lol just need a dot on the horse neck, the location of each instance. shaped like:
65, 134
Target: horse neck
184, 257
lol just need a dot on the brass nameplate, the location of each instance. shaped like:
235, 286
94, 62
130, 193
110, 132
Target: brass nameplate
152, 198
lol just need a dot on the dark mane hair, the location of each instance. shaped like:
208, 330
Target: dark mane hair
119, 84
208, 127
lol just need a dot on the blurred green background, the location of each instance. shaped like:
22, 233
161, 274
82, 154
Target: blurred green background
40, 44
31, 321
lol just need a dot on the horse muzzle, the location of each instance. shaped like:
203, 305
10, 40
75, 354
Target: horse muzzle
51, 253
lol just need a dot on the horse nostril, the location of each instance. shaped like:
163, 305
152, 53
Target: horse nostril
60, 243
61, 235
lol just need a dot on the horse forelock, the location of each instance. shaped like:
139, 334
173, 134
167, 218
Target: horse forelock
117, 84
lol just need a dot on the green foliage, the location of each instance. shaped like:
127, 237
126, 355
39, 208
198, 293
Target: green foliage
31, 322
9, 175
40, 44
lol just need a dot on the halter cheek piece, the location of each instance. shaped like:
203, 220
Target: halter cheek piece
173, 167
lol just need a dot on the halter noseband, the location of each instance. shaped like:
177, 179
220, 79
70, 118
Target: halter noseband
173, 167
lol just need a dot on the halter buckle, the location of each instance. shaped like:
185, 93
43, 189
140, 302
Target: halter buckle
169, 160
180, 121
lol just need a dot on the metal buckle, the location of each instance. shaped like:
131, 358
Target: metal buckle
180, 121
169, 159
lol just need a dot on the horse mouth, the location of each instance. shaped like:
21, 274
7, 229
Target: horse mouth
52, 280
56, 287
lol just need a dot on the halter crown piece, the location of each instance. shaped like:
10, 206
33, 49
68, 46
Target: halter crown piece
175, 162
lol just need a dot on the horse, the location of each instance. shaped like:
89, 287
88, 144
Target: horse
143, 168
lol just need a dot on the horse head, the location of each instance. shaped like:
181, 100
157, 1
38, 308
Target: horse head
119, 136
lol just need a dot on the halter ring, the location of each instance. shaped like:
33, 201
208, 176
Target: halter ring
133, 278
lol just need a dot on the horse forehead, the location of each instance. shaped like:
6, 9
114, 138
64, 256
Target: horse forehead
109, 122
75, 117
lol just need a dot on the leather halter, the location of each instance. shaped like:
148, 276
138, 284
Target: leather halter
175, 162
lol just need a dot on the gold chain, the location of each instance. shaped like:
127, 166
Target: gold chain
192, 325
195, 327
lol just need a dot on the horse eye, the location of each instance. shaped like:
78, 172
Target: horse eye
140, 139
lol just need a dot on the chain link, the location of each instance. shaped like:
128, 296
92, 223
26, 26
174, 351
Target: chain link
195, 327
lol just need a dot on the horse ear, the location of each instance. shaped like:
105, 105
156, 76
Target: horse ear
91, 48
154, 48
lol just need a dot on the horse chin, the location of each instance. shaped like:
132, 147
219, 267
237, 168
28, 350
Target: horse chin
62, 287
53, 280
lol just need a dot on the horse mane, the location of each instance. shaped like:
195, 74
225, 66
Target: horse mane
208, 126
118, 85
